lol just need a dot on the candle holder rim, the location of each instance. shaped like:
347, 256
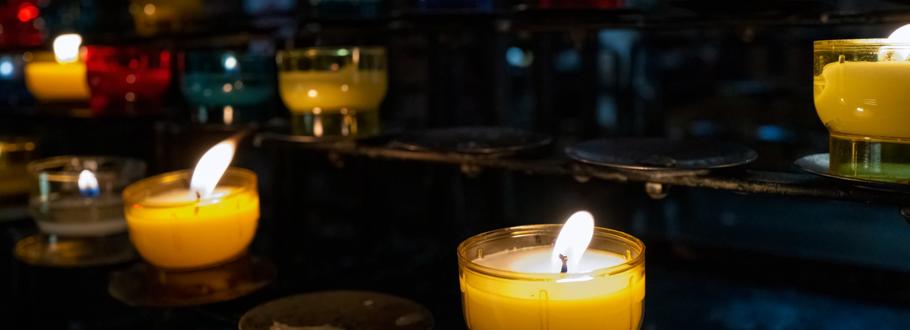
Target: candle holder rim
469, 263
862, 42
137, 187
17, 144
39, 166
328, 50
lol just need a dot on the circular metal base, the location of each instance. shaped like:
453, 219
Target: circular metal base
57, 251
146, 285
339, 310
653, 154
819, 164
485, 141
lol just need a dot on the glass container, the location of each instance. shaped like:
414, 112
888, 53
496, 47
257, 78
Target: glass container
228, 87
173, 228
22, 24
152, 17
333, 91
860, 97
605, 298
127, 80
52, 81
76, 203
12, 82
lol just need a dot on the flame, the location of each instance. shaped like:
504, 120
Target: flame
902, 34
573, 241
211, 167
88, 184
66, 47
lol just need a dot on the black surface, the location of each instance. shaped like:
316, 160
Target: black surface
651, 154
481, 141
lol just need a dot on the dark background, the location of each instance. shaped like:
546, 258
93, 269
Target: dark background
734, 71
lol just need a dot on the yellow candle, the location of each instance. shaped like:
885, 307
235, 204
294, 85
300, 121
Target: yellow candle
864, 98
515, 287
59, 75
176, 221
304, 91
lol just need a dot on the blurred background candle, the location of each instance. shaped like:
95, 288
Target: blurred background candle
127, 80
22, 24
228, 87
76, 203
516, 278
58, 76
163, 16
860, 95
333, 91
179, 221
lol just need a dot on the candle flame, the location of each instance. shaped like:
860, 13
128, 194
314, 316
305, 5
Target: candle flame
211, 168
88, 184
901, 34
66, 47
573, 241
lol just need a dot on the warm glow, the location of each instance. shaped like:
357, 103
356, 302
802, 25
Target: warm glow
901, 34
66, 47
211, 167
88, 184
230, 62
27, 12
573, 241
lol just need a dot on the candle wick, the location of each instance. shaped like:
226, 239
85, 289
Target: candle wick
198, 198
565, 263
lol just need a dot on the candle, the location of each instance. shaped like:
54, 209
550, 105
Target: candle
228, 87
15, 153
333, 91
127, 80
80, 196
178, 221
514, 278
58, 76
860, 96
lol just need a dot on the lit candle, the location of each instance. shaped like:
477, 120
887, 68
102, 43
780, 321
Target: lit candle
514, 278
860, 96
177, 221
59, 76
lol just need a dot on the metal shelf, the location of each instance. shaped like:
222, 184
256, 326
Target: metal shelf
738, 180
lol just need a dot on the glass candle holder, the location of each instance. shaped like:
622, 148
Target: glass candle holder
127, 80
15, 153
20, 21
228, 87
173, 229
153, 17
12, 82
333, 91
500, 297
51, 81
79, 196
859, 88
76, 203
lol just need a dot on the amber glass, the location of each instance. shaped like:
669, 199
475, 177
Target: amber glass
172, 229
608, 298
860, 96
333, 91
15, 153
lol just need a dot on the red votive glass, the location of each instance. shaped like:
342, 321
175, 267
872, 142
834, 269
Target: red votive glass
127, 80
21, 24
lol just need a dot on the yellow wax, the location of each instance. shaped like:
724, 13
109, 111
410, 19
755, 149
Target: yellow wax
574, 302
356, 90
171, 230
865, 98
52, 81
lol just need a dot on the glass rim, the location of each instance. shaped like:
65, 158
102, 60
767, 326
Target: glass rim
869, 42
525, 230
329, 50
17, 144
135, 188
40, 166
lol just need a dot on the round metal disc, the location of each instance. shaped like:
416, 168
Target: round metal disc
487, 141
331, 310
56, 251
819, 164
146, 285
652, 154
